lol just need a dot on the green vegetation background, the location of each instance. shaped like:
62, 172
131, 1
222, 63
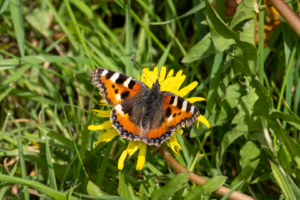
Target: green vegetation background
49, 49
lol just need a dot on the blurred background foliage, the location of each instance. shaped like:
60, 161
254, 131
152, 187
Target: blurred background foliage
244, 56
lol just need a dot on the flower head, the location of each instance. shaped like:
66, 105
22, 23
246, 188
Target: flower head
168, 82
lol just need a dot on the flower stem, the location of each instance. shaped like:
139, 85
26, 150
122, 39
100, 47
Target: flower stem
222, 191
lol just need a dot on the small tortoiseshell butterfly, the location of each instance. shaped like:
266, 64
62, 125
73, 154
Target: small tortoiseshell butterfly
141, 113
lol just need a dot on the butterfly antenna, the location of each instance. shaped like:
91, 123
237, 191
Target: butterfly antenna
141, 69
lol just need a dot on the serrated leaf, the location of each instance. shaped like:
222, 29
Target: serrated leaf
282, 181
248, 31
209, 186
249, 152
202, 49
244, 11
223, 37
171, 187
245, 109
221, 34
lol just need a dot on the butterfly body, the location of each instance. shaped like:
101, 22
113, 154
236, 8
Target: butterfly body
141, 113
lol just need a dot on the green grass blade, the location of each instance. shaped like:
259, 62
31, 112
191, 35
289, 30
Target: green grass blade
129, 66
63, 26
4, 6
22, 164
195, 9
282, 182
164, 57
73, 141
16, 15
78, 31
36, 185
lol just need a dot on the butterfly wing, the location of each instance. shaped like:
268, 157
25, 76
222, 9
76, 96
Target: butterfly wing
173, 113
126, 118
115, 87
178, 112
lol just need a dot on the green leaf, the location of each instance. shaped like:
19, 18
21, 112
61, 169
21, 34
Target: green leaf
228, 139
283, 182
221, 34
126, 190
165, 192
209, 186
147, 187
244, 11
17, 18
4, 6
94, 190
295, 188
164, 56
294, 121
202, 49
288, 160
223, 37
195, 9
129, 66
248, 31
40, 19
232, 190
243, 118
245, 175
249, 152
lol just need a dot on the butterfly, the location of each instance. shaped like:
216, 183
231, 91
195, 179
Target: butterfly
141, 113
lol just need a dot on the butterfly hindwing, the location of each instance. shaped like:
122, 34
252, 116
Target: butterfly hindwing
115, 87
178, 112
126, 118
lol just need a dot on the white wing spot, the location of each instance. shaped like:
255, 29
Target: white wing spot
184, 105
114, 77
118, 108
118, 97
192, 109
126, 83
175, 101
104, 72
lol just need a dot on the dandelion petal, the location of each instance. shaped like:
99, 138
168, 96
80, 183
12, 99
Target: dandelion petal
141, 157
133, 147
122, 159
195, 99
102, 113
187, 89
108, 136
104, 125
174, 145
202, 119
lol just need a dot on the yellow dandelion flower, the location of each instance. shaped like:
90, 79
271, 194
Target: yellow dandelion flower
168, 82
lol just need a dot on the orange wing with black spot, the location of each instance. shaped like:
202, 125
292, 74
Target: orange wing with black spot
178, 112
115, 87
126, 118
